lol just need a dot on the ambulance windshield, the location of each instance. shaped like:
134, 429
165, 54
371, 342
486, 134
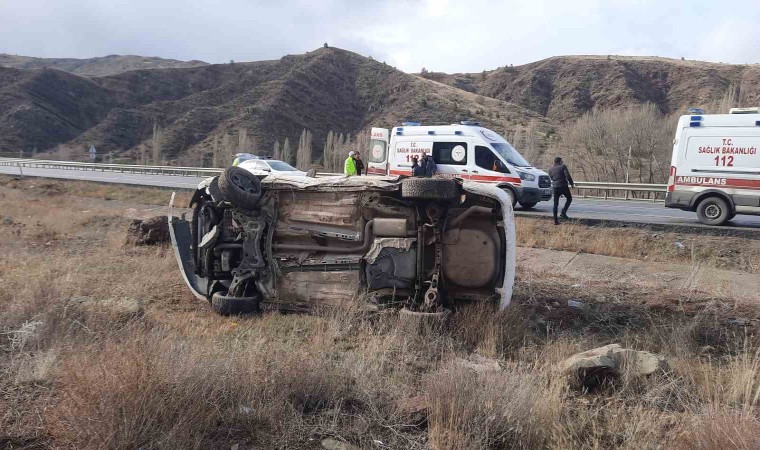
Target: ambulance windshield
509, 153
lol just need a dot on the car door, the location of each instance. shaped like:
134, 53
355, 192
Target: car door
488, 167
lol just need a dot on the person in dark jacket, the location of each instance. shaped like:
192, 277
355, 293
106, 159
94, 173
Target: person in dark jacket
429, 168
561, 182
359, 163
417, 170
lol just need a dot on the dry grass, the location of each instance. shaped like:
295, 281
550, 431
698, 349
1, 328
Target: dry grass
733, 253
101, 346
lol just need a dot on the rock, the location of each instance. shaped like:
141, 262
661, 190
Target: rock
680, 245
576, 304
153, 231
334, 444
7, 220
591, 368
639, 363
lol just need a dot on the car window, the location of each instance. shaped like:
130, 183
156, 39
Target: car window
281, 166
454, 153
486, 159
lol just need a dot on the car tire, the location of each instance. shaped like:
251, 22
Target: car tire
240, 187
429, 189
713, 211
528, 205
225, 305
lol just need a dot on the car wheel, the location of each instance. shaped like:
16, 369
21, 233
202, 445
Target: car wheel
528, 205
240, 187
231, 306
429, 189
713, 211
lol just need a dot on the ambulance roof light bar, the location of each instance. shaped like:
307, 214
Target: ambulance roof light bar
695, 111
755, 110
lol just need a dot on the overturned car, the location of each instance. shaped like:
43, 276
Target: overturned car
294, 243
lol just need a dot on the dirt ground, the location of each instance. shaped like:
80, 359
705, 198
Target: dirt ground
102, 346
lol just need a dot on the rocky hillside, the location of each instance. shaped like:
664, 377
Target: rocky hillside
331, 89
563, 88
327, 89
95, 67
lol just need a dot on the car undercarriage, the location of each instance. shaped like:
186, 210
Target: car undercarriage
287, 243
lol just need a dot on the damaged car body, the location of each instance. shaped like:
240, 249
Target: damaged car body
295, 243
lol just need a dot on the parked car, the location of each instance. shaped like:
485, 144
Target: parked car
270, 167
292, 243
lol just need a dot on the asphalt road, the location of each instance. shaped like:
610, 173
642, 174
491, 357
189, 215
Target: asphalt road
596, 209
634, 211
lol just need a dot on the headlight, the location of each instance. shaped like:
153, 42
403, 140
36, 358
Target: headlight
527, 176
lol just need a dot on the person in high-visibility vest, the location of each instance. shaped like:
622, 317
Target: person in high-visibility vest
349, 167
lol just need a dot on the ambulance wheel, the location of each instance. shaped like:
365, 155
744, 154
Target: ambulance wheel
429, 188
528, 205
240, 187
713, 211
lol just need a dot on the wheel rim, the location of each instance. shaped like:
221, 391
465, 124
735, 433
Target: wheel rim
712, 211
245, 184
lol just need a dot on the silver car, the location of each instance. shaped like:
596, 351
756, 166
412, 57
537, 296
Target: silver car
294, 243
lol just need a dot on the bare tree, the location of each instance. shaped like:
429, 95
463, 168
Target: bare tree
157, 142
243, 142
303, 154
287, 152
215, 152
276, 152
615, 145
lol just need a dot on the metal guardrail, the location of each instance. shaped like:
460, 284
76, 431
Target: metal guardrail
605, 188
602, 189
120, 168
103, 167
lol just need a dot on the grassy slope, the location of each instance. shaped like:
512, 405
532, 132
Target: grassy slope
102, 347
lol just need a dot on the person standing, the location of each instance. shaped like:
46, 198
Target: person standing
417, 170
349, 167
359, 163
561, 184
429, 168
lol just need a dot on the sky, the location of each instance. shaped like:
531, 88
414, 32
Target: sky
439, 35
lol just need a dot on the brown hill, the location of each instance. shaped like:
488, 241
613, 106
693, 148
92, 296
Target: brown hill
41, 108
333, 89
562, 88
95, 67
327, 89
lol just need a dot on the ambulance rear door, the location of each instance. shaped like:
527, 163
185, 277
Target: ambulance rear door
378, 152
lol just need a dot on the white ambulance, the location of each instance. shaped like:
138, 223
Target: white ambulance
465, 150
715, 169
